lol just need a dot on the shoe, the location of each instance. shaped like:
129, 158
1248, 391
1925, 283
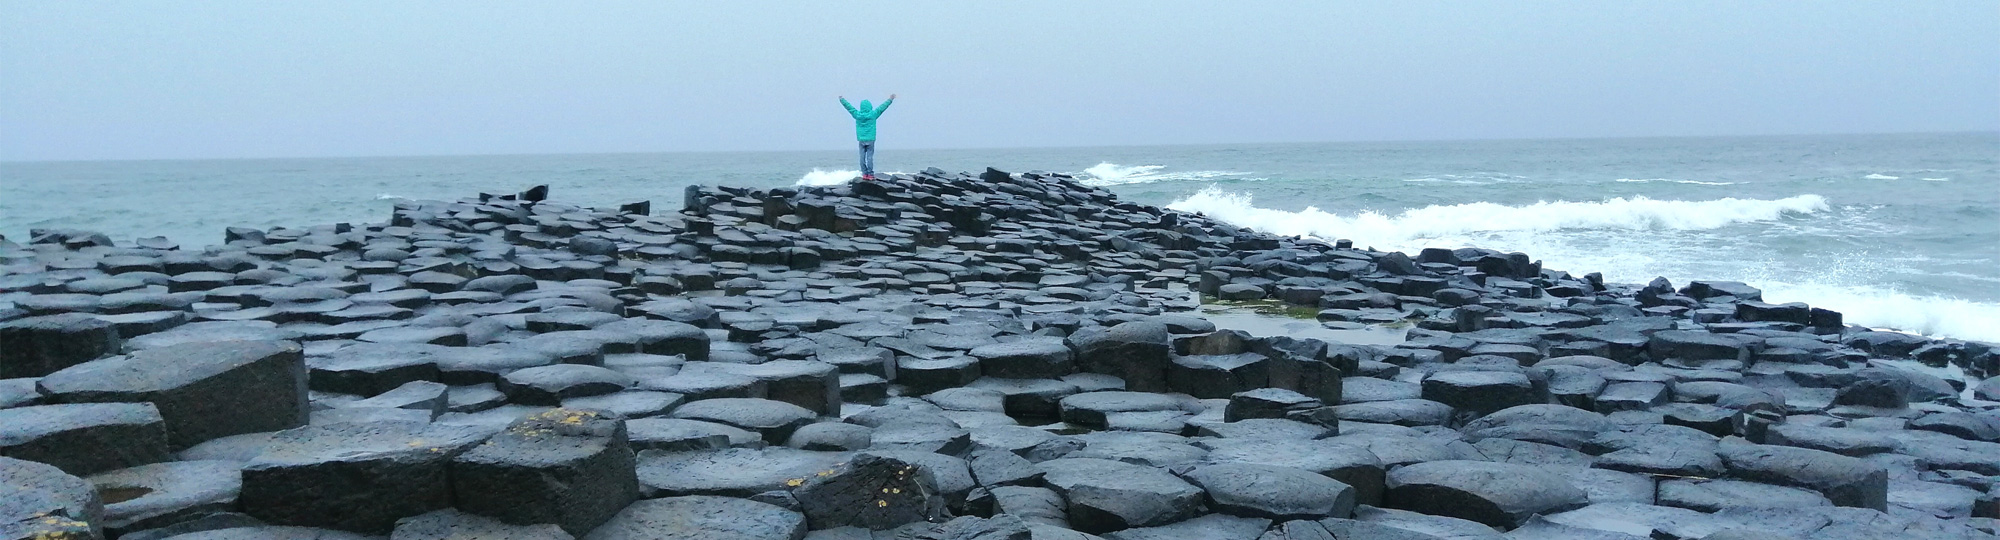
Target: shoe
867, 177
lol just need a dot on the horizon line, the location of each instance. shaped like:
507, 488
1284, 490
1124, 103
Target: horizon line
1340, 141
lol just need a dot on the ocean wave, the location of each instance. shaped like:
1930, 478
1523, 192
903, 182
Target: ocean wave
1876, 307
1475, 179
387, 196
1693, 182
1112, 174
1937, 179
1878, 176
1631, 241
1439, 221
822, 177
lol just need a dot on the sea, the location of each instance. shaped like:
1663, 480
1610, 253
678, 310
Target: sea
1898, 232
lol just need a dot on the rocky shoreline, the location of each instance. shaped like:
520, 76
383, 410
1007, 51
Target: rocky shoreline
940, 356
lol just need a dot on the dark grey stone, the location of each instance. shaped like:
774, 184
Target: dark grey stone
1844, 480
1213, 526
774, 420
702, 518
354, 476
629, 403
550, 385
37, 346
1402, 412
677, 435
1033, 399
162, 494
872, 492
809, 384
426, 396
1090, 409
451, 524
1274, 492
85, 438
1107, 495
1218, 376
1714, 495
1137, 352
1657, 449
203, 390
1041, 358
38, 500
372, 368
1480, 391
731, 472
1347, 463
831, 437
570, 467
1497, 494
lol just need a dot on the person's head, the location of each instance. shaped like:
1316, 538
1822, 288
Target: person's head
866, 106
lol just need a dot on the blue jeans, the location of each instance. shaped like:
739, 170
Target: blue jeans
867, 158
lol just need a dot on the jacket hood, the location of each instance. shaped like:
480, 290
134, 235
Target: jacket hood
866, 106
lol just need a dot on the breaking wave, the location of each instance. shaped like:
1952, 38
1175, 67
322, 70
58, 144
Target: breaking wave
1878, 307
1693, 182
822, 177
1882, 177
1633, 257
1112, 174
1438, 221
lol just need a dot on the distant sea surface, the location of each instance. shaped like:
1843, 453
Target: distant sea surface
1896, 231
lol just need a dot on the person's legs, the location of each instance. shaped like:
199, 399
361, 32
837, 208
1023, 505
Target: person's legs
867, 159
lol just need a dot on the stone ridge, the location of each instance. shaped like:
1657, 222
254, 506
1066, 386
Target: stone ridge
940, 355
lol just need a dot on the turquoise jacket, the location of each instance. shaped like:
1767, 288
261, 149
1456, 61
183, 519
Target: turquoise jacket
864, 117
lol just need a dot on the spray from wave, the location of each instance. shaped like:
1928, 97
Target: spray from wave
1112, 174
1876, 307
1438, 221
1691, 182
1630, 241
822, 177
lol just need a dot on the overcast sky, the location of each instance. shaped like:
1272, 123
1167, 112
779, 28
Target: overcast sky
219, 79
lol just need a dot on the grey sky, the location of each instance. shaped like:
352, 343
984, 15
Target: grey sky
128, 80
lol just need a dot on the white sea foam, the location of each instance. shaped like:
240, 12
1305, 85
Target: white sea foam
1937, 179
1112, 174
1474, 179
1438, 221
1693, 182
822, 177
1631, 241
386, 196
1876, 307
1882, 177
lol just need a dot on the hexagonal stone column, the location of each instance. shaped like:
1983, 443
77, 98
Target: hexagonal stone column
203, 390
358, 477
570, 467
85, 438
37, 346
38, 500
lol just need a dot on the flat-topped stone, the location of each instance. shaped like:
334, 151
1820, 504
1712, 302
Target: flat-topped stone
701, 518
202, 390
160, 494
1497, 494
354, 476
37, 346
1107, 495
85, 438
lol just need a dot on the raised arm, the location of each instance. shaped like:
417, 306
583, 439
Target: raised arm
885, 105
850, 107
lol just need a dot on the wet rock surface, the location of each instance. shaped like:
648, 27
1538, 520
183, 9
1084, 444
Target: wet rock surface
1018, 354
